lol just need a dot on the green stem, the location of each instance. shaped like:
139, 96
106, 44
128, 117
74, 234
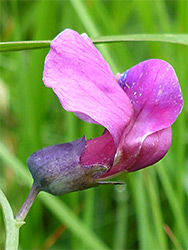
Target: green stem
12, 226
28, 45
121, 226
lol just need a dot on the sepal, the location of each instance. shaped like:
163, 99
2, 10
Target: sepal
57, 169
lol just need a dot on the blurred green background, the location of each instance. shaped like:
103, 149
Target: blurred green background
150, 211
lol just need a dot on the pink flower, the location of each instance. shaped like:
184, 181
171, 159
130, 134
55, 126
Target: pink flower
136, 108
137, 112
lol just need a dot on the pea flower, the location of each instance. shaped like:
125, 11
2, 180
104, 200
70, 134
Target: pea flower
136, 108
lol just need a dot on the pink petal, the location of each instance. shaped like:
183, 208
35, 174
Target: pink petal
153, 149
84, 83
154, 91
99, 151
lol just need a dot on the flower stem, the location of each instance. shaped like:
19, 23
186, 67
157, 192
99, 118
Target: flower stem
28, 203
12, 226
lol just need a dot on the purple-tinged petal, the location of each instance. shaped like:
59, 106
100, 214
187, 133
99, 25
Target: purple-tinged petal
153, 149
154, 91
85, 84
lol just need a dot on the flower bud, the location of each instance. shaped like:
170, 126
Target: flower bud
57, 170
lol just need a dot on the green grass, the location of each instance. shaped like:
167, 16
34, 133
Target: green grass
133, 217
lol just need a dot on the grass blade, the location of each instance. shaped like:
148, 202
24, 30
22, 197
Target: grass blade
169, 38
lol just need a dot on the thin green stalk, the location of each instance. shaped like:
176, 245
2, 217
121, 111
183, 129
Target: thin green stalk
174, 204
145, 226
12, 226
89, 208
181, 125
119, 20
42, 44
121, 226
156, 211
163, 16
109, 27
